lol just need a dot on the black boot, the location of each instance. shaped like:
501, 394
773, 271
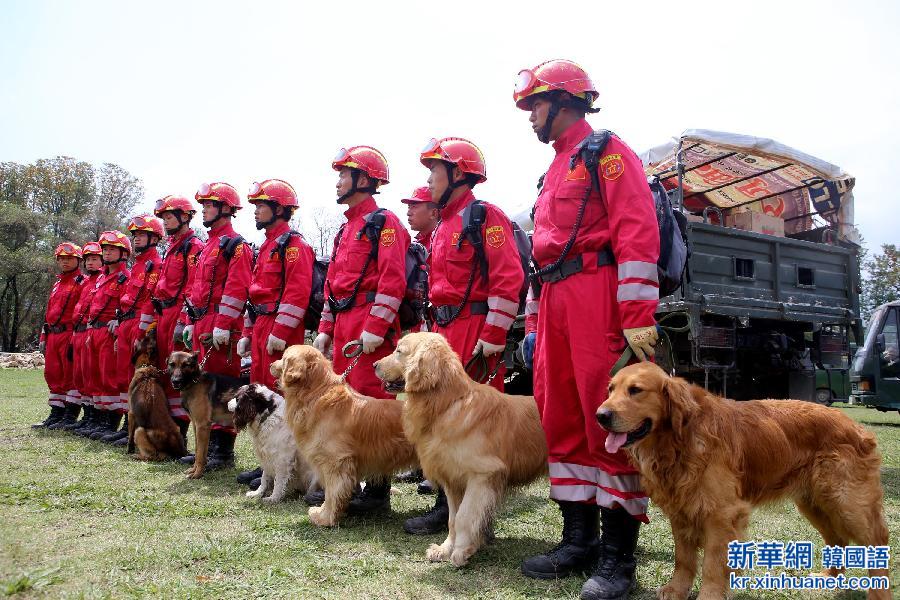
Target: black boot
414, 476
374, 497
188, 459
434, 521
56, 415
425, 487
223, 456
113, 419
70, 416
613, 577
102, 426
85, 419
122, 438
317, 497
93, 421
119, 434
247, 477
254, 485
578, 549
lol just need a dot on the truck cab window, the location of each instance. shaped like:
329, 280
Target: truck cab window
890, 356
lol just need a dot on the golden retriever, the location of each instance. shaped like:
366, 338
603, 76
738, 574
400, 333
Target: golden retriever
345, 436
472, 440
707, 462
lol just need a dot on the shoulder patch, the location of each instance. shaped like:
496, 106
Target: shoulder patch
612, 167
291, 254
578, 173
495, 236
239, 250
388, 236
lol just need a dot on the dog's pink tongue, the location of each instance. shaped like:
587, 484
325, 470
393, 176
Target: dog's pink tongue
614, 441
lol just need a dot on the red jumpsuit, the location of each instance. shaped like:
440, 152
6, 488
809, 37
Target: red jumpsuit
101, 376
285, 308
450, 269
175, 278
57, 335
135, 316
80, 354
220, 288
580, 318
380, 292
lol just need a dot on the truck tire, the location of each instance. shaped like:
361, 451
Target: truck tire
824, 397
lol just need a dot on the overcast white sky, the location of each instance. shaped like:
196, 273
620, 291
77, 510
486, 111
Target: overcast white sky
184, 92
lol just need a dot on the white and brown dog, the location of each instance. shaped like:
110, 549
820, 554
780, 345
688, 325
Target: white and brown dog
260, 411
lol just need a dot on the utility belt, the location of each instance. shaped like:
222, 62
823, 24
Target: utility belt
266, 308
81, 328
160, 305
125, 316
97, 324
576, 265
193, 313
54, 328
344, 304
443, 314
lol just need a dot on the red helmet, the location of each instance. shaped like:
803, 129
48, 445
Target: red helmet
420, 195
67, 249
273, 190
457, 151
173, 202
553, 75
91, 248
115, 238
218, 192
147, 224
364, 158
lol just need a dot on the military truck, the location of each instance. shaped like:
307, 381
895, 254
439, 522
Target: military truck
770, 293
875, 375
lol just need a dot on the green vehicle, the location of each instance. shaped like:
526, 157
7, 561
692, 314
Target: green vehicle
759, 314
875, 377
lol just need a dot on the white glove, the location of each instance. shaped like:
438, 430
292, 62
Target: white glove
111, 326
370, 342
187, 336
274, 344
220, 337
243, 347
42, 347
488, 348
642, 341
322, 343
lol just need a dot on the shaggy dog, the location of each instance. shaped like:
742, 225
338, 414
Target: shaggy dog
205, 397
261, 411
707, 462
472, 440
151, 429
344, 435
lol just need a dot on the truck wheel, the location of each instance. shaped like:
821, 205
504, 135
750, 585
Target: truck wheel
823, 396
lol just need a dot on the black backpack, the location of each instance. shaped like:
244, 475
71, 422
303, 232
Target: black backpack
473, 220
412, 305
316, 304
672, 244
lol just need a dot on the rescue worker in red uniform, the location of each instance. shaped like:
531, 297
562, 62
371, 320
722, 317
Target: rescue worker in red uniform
473, 304
93, 266
176, 276
422, 214
596, 298
216, 302
101, 375
279, 290
364, 292
56, 337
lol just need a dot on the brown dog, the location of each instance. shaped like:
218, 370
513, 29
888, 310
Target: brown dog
205, 397
472, 440
707, 462
150, 426
345, 436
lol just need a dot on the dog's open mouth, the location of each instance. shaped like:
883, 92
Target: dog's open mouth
616, 440
394, 387
176, 385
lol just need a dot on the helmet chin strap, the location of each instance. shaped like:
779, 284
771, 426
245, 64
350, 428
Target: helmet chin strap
354, 178
209, 224
178, 215
544, 133
451, 185
273, 208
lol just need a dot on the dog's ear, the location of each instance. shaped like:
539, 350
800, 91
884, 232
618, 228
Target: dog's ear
195, 356
680, 403
293, 370
275, 369
424, 366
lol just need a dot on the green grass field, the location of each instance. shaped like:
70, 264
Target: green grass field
79, 519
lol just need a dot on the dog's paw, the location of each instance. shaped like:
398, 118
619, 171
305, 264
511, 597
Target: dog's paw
195, 474
254, 494
461, 556
318, 516
670, 592
437, 553
271, 499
